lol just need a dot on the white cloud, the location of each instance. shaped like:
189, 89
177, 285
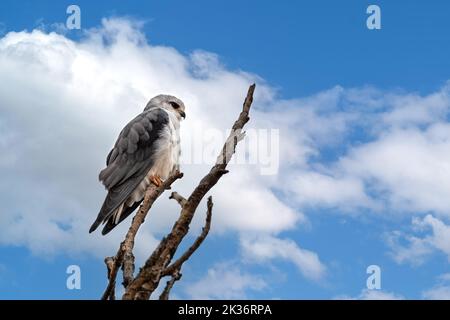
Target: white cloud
434, 235
440, 291
314, 188
266, 248
389, 152
410, 168
63, 107
367, 294
390, 155
224, 281
413, 110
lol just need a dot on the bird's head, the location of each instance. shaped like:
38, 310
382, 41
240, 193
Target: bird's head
170, 103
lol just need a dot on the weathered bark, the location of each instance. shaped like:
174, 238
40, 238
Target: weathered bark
124, 257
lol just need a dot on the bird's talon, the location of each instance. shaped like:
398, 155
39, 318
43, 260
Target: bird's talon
156, 180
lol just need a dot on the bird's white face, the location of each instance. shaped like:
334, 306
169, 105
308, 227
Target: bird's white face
177, 107
169, 103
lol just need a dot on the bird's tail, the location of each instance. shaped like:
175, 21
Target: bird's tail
95, 225
107, 209
112, 218
100, 219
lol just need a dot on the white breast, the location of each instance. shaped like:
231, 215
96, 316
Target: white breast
167, 155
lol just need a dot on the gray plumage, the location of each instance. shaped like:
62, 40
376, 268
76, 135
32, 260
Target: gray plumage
147, 147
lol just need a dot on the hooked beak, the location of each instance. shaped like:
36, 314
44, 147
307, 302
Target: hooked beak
183, 114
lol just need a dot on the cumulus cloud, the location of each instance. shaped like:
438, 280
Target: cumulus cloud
267, 248
384, 151
408, 168
65, 103
428, 234
319, 189
225, 281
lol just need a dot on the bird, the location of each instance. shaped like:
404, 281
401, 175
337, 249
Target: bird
146, 152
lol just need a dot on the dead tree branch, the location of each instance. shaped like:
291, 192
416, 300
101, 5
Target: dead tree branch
124, 257
179, 198
158, 264
169, 285
176, 266
174, 270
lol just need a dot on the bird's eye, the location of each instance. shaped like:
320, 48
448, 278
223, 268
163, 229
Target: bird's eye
174, 105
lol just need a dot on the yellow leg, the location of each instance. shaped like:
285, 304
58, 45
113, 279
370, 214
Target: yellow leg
156, 180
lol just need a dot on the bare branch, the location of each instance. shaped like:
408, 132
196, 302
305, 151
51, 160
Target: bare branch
178, 263
128, 268
147, 288
124, 255
179, 198
169, 285
230, 146
109, 261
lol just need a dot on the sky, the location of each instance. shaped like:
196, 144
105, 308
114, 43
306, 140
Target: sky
357, 121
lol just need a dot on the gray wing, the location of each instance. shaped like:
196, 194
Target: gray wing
130, 160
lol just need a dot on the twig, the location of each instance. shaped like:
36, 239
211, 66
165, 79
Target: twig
179, 198
169, 285
179, 262
109, 261
174, 268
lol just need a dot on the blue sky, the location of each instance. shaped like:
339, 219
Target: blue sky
411, 46
313, 55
